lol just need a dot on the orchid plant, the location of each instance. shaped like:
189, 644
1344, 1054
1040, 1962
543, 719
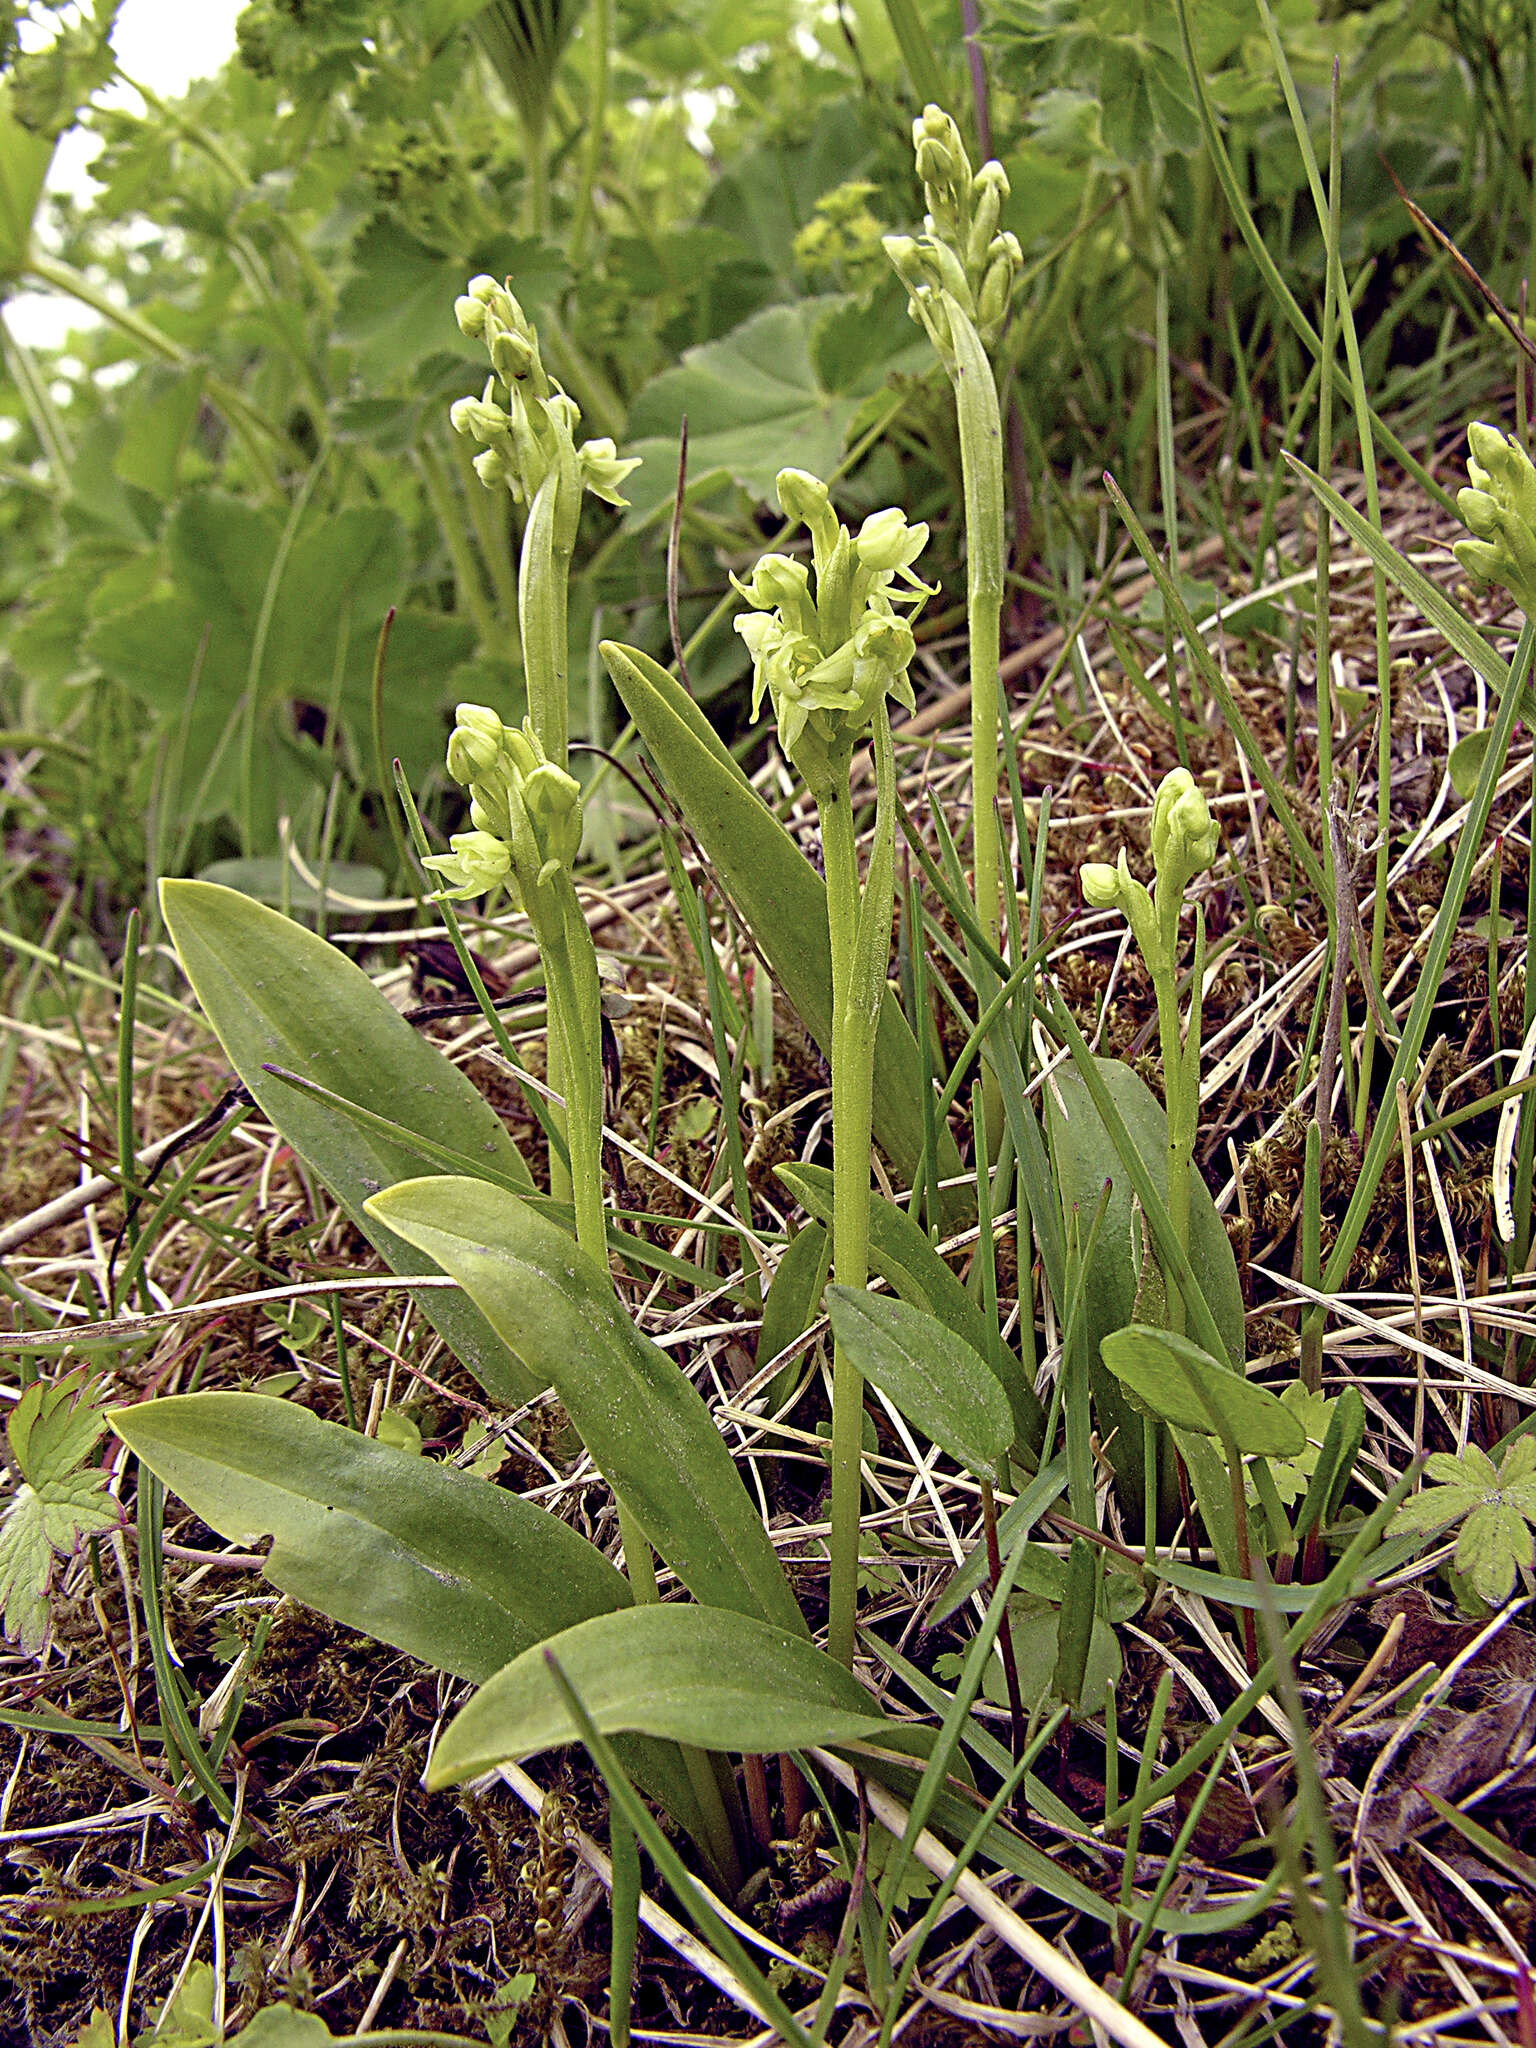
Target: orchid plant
960, 275
829, 644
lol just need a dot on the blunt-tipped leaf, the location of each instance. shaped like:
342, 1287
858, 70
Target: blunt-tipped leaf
935, 1378
644, 1424
697, 1675
435, 1562
1173, 1379
779, 895
899, 1251
1084, 1157
432, 1561
277, 995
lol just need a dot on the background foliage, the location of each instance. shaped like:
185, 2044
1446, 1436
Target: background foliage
220, 486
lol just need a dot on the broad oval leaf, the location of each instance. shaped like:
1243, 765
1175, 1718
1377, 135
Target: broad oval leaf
935, 1378
459, 1573
278, 995
643, 1422
899, 1251
1176, 1381
698, 1675
436, 1562
1084, 1157
781, 898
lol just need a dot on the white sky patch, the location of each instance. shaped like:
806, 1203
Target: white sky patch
164, 45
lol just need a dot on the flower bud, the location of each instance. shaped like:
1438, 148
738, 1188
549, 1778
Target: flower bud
1499, 507
803, 496
988, 195
1184, 834
552, 800
1100, 884
480, 417
513, 355
475, 744
484, 298
493, 469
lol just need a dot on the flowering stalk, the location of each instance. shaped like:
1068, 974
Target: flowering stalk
529, 448
960, 275
828, 657
526, 819
1184, 841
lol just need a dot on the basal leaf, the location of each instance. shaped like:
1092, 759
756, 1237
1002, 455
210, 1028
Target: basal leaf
279, 995
935, 1378
699, 1675
1176, 1381
433, 1561
643, 1422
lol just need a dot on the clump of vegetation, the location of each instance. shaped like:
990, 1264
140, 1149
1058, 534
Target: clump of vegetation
874, 1424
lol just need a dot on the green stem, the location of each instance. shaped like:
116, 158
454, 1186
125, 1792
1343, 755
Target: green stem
851, 1114
981, 465
600, 33
859, 927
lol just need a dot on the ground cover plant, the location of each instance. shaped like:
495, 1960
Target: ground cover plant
905, 1415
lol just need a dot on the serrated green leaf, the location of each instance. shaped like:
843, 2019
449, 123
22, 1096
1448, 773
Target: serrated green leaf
700, 1675
756, 402
52, 1430
1495, 1541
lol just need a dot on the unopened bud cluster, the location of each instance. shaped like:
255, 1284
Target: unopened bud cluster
961, 251
525, 811
828, 654
1499, 507
1185, 838
522, 440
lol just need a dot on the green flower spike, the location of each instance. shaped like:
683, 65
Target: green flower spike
827, 659
961, 250
526, 812
1185, 838
1499, 506
525, 440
